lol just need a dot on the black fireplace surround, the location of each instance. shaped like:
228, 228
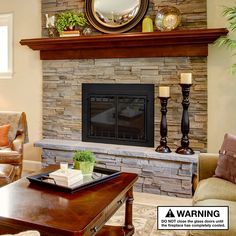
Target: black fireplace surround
118, 114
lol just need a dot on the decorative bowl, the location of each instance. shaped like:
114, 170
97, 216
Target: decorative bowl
168, 18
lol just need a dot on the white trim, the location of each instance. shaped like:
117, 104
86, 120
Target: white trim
7, 20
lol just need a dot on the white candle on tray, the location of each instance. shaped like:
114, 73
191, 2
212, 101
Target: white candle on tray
186, 78
164, 91
64, 166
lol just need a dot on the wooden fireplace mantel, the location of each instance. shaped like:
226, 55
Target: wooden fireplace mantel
129, 45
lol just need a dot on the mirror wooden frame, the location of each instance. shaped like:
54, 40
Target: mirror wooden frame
111, 30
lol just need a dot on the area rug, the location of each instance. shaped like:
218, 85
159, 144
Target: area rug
144, 220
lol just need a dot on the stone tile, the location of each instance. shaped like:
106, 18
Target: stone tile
131, 170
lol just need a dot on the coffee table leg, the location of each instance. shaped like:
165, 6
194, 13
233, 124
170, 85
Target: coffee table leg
129, 211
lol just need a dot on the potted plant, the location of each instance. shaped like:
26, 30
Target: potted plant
69, 20
84, 161
228, 41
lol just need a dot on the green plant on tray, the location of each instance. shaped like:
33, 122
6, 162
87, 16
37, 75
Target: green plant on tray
227, 41
84, 156
69, 20
84, 161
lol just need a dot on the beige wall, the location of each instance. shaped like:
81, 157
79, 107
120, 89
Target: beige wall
221, 85
24, 91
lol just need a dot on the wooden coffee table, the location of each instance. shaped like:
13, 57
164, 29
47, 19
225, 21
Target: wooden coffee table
25, 206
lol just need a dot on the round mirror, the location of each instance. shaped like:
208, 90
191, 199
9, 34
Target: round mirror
115, 16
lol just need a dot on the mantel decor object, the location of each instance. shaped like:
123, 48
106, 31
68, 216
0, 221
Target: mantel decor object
70, 23
147, 24
50, 24
115, 16
164, 95
185, 83
168, 18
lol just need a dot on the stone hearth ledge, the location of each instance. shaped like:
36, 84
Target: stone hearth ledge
166, 174
119, 150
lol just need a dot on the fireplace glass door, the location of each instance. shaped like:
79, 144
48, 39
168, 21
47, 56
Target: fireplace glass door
102, 117
115, 116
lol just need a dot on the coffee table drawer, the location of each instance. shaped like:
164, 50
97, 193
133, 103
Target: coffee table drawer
96, 225
115, 205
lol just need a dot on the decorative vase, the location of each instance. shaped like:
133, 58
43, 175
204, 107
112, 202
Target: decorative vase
85, 167
147, 24
168, 18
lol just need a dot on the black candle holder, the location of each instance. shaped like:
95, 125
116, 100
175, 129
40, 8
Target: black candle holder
185, 149
163, 148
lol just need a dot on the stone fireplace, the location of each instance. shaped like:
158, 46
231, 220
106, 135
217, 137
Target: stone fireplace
63, 79
62, 93
63, 112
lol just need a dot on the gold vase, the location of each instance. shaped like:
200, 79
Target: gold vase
147, 24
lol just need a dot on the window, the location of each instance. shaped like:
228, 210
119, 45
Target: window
6, 42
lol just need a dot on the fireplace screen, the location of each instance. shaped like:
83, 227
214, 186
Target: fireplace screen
118, 113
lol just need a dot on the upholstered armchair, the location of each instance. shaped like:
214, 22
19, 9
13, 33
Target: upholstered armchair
213, 191
11, 156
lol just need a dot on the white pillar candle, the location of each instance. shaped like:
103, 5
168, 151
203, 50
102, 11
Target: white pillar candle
164, 92
186, 78
64, 166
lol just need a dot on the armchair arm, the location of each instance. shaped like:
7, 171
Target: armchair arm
207, 164
17, 144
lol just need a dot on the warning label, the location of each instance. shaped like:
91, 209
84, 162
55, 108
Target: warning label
196, 218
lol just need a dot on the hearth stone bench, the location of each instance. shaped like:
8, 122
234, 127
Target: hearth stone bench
166, 174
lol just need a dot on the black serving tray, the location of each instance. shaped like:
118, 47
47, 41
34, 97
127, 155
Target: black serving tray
99, 175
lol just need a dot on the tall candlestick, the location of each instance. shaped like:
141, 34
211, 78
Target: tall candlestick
164, 91
186, 78
163, 148
185, 149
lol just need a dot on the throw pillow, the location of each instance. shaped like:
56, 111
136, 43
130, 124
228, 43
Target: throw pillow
226, 167
4, 140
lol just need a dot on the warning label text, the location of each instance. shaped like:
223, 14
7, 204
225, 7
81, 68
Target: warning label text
197, 218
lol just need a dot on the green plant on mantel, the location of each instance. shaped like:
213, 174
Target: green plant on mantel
227, 41
69, 20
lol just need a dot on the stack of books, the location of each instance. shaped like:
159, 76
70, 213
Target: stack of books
66, 178
70, 33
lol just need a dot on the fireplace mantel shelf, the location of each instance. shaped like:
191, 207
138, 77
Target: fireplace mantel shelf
129, 45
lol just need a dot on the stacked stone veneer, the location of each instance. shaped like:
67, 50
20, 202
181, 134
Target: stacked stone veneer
62, 80
62, 93
165, 174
